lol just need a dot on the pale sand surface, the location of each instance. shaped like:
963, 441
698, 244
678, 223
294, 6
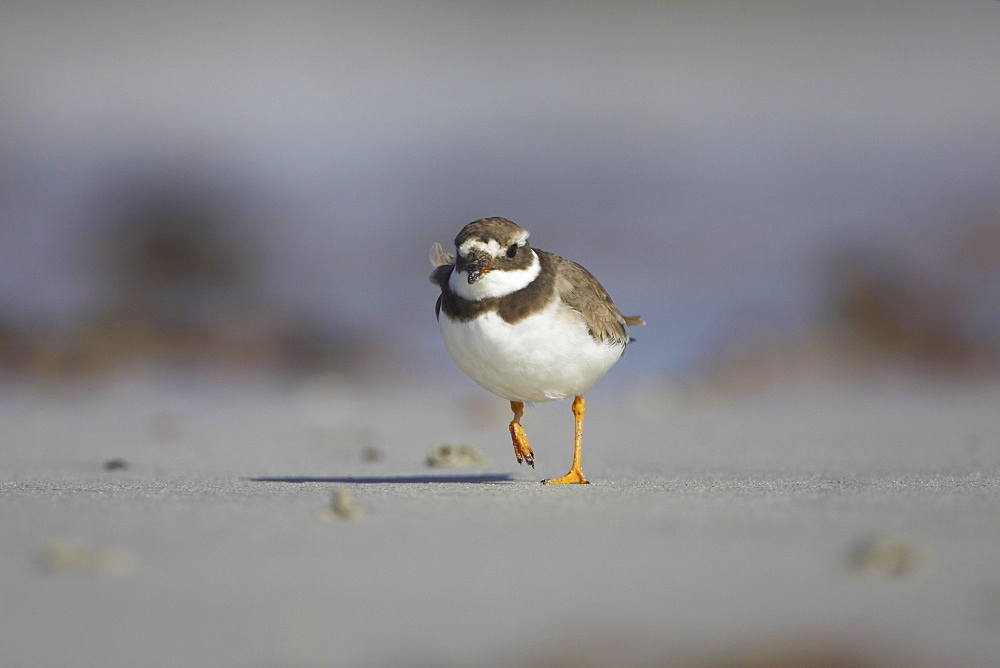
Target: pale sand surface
858, 523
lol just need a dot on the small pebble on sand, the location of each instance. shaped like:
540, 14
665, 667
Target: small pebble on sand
884, 557
73, 558
455, 455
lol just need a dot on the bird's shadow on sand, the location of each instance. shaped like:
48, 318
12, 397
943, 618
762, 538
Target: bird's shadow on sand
422, 479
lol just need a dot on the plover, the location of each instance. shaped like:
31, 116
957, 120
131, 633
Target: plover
527, 325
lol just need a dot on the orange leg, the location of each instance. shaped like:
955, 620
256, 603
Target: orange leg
575, 475
522, 450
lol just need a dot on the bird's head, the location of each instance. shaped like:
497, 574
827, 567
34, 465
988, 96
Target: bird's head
492, 259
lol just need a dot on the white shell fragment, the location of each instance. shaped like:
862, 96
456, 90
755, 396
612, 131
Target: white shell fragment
342, 507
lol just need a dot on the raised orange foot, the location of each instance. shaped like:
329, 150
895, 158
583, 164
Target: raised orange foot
522, 449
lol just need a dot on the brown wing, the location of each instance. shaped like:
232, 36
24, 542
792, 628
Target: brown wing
582, 292
439, 257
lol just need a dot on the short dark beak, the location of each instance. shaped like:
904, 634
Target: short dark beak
475, 270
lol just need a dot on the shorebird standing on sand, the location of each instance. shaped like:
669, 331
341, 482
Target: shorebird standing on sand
525, 324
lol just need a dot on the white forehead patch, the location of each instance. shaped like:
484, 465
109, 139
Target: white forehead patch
492, 246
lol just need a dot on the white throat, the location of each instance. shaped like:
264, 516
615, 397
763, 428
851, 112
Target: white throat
496, 283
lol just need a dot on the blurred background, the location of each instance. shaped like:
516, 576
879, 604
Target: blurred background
781, 189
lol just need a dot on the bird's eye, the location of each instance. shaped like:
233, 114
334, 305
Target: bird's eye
512, 251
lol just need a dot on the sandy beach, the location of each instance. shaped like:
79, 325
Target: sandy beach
170, 523
230, 431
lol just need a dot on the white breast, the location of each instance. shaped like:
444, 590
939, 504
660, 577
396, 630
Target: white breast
544, 357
